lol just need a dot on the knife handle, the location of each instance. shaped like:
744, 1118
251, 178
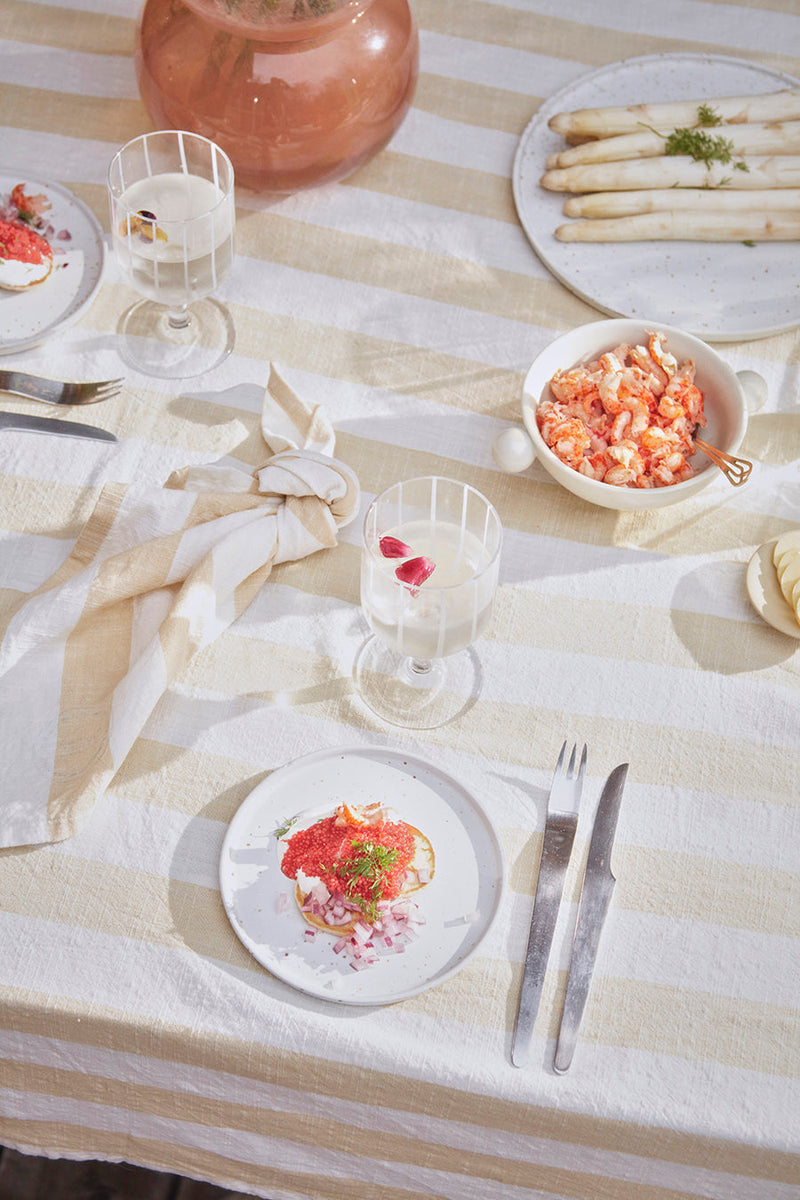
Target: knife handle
559, 835
584, 952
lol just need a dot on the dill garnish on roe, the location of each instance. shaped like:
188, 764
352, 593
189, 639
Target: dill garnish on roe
368, 866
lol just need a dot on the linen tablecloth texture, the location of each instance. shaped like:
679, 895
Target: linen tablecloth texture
133, 1023
152, 580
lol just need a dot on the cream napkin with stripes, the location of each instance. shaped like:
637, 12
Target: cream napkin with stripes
151, 580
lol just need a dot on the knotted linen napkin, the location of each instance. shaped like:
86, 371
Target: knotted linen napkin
153, 578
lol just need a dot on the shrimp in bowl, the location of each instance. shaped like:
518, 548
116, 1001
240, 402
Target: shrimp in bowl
627, 419
612, 409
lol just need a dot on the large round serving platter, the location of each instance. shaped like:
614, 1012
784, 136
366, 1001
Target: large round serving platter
724, 291
28, 318
458, 906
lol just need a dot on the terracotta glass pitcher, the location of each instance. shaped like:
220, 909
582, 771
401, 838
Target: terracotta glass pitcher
297, 92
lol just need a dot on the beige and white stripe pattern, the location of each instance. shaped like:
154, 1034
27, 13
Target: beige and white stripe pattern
407, 301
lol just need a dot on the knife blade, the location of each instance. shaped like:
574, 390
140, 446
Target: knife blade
559, 836
595, 898
54, 425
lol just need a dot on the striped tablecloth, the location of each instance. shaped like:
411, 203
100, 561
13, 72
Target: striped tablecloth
408, 302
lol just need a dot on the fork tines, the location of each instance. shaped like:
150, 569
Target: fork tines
90, 393
570, 772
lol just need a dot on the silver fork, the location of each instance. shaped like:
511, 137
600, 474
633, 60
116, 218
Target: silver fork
559, 836
53, 392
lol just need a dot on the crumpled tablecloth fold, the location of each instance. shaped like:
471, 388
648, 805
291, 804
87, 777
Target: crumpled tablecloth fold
154, 576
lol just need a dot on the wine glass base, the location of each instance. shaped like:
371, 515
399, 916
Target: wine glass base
149, 343
388, 684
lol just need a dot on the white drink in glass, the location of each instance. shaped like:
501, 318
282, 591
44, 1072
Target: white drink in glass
419, 668
173, 214
445, 613
196, 250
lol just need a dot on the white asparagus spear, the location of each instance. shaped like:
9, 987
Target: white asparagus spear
613, 119
763, 137
679, 170
625, 204
685, 226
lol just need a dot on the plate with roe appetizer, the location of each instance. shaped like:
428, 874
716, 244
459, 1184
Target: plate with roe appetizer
51, 259
361, 876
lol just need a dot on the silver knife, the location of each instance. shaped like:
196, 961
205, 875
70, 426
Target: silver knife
54, 425
559, 835
596, 892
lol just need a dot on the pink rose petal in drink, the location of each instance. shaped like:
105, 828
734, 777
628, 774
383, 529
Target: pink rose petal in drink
392, 547
415, 571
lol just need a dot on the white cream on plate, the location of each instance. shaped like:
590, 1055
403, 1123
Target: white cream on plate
15, 274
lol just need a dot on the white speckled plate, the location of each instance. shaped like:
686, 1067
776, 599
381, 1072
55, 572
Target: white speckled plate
27, 318
718, 291
459, 904
765, 592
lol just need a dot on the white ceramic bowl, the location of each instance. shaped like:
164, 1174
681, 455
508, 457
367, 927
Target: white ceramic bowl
725, 408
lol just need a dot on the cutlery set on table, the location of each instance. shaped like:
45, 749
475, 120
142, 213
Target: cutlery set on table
595, 897
52, 391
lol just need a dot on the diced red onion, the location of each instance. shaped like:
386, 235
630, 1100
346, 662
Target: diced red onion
387, 934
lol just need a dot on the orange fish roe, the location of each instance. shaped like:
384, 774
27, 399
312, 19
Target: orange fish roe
326, 850
21, 244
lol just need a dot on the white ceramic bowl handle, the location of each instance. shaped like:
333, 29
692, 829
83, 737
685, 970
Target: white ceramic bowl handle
512, 449
755, 389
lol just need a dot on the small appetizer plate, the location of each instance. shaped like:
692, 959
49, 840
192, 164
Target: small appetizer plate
27, 318
765, 592
457, 907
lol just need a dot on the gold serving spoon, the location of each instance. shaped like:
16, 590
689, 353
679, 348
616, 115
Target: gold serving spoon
736, 470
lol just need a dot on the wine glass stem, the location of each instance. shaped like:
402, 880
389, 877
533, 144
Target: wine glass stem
178, 318
420, 666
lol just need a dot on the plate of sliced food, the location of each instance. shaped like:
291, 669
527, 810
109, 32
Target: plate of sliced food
668, 187
773, 582
51, 259
361, 876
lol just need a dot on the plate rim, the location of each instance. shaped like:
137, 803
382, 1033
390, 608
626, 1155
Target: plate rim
554, 102
389, 753
71, 314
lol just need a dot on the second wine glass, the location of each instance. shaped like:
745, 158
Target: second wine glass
172, 227
429, 567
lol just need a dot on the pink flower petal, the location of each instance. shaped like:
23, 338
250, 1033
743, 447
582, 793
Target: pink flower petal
415, 571
392, 547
